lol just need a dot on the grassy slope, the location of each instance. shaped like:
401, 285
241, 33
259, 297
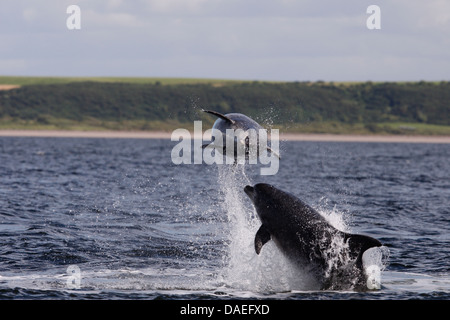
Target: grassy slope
95, 124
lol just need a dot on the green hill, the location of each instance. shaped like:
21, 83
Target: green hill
165, 104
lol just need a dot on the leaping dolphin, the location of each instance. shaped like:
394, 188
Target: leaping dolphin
236, 121
308, 240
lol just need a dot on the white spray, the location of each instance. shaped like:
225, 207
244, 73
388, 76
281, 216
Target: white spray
243, 269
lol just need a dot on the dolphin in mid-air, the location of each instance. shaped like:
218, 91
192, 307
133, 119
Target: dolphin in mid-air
236, 121
304, 236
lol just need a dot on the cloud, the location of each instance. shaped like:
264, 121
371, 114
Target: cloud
252, 39
178, 6
110, 20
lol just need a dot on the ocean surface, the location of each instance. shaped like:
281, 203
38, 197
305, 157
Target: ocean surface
116, 219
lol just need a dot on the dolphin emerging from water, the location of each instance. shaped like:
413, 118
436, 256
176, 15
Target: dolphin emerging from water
308, 240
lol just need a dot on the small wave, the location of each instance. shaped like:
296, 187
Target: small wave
437, 285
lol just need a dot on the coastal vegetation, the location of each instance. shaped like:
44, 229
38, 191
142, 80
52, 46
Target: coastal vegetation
420, 108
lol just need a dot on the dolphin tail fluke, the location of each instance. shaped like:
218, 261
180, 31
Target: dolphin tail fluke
262, 237
217, 114
359, 243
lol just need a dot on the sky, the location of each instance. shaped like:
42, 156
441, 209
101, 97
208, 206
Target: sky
264, 40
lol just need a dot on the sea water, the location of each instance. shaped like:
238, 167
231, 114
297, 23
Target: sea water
116, 219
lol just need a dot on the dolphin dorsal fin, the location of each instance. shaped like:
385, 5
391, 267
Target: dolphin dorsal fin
261, 238
217, 114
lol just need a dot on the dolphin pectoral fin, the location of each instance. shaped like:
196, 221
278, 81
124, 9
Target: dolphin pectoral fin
217, 114
262, 236
271, 151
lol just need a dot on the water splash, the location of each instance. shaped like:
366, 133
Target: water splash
243, 269
375, 261
335, 217
241, 225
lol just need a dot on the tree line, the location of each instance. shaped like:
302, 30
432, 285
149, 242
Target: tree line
274, 103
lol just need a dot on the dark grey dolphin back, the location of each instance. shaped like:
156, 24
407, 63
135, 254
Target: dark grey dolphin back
233, 121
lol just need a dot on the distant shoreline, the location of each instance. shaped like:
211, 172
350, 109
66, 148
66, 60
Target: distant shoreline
167, 135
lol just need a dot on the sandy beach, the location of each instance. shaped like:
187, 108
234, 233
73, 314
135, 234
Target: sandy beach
86, 134
167, 135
